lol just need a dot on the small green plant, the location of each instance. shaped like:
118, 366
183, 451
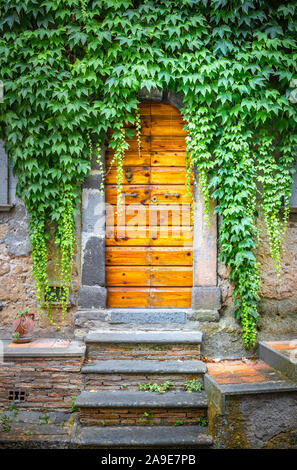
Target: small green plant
159, 388
16, 335
178, 422
4, 421
147, 415
193, 386
13, 408
44, 419
20, 313
202, 421
73, 407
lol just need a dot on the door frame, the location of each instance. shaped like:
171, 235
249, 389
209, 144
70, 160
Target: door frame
205, 296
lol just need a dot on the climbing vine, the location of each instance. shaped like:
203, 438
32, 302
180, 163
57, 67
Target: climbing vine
72, 70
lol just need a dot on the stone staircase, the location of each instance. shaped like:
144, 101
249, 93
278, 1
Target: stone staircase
115, 411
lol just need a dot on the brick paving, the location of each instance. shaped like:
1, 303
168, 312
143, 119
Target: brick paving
240, 372
41, 343
288, 348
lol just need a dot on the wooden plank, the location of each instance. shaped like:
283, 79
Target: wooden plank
171, 256
145, 194
146, 175
162, 109
171, 194
148, 256
127, 276
127, 256
177, 297
174, 236
166, 143
165, 126
169, 158
133, 297
120, 236
131, 159
139, 175
164, 175
149, 236
174, 276
128, 297
142, 192
141, 215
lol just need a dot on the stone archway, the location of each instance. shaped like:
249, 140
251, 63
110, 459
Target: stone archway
205, 301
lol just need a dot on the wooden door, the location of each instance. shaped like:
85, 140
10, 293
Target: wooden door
149, 254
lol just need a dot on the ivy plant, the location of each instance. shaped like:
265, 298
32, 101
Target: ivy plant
72, 70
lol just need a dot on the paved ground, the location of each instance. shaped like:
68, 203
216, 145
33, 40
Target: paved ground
41, 343
240, 372
288, 348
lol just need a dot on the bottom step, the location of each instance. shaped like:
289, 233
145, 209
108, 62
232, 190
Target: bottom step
143, 437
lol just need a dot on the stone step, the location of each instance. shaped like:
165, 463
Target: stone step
127, 399
137, 367
281, 355
127, 375
125, 408
143, 437
148, 345
148, 315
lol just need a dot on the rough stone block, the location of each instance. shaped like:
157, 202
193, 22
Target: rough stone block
206, 298
148, 316
92, 297
204, 315
93, 262
150, 95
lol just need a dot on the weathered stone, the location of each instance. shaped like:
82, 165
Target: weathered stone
150, 95
147, 316
4, 269
204, 315
93, 267
92, 297
206, 298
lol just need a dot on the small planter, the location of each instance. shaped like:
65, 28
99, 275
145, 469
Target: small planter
23, 327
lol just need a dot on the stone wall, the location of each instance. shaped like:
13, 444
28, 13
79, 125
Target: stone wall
16, 281
264, 421
16, 278
46, 383
278, 305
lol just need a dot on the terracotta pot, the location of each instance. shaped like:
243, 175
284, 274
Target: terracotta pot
24, 325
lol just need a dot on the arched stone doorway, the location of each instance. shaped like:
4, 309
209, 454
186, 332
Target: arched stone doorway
205, 294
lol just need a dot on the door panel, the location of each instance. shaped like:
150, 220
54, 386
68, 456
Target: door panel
140, 215
149, 242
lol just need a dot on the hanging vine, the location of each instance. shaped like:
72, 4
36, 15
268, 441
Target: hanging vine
72, 70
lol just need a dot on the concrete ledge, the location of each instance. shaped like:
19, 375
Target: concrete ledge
149, 337
277, 360
206, 298
144, 367
123, 315
143, 437
75, 349
139, 399
92, 297
217, 393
